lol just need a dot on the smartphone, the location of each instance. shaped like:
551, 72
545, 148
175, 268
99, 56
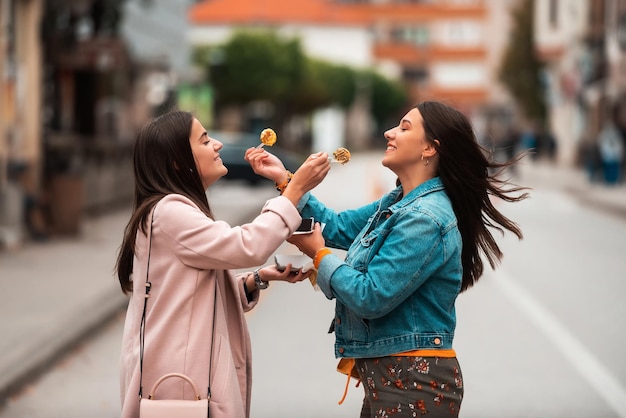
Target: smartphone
306, 227
296, 261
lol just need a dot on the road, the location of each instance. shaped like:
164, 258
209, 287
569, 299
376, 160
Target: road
542, 336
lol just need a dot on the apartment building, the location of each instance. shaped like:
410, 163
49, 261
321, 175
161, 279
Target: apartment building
444, 49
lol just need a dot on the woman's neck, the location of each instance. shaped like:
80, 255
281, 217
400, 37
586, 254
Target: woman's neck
410, 183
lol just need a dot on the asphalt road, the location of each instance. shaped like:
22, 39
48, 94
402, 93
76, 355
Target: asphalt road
542, 336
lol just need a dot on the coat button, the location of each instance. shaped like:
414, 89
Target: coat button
437, 341
341, 350
338, 321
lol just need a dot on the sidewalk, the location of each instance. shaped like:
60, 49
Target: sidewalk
574, 182
55, 294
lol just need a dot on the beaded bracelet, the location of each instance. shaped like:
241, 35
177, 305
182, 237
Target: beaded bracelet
281, 187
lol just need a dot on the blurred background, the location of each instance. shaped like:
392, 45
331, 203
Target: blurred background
78, 78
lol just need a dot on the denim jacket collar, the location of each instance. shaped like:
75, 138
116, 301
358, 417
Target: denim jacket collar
429, 186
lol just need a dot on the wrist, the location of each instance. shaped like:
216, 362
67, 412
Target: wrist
260, 284
293, 193
282, 185
319, 254
282, 177
248, 283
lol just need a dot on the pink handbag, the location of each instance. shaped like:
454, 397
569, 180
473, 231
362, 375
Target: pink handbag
173, 408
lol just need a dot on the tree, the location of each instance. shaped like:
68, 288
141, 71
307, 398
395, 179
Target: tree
388, 97
520, 69
254, 66
324, 84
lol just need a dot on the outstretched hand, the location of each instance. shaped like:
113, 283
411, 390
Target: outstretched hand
310, 174
265, 164
271, 273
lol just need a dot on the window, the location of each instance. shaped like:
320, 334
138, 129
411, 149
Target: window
415, 74
416, 35
462, 33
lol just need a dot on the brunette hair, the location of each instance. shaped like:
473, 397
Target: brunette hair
465, 173
163, 164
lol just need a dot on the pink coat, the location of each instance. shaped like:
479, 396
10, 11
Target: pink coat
191, 254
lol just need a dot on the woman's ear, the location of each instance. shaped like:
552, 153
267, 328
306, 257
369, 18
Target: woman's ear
431, 149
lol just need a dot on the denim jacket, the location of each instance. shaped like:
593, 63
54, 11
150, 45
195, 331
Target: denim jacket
396, 289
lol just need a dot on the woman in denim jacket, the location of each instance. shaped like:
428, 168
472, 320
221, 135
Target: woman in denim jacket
409, 255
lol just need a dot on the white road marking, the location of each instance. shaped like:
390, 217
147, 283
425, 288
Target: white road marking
581, 359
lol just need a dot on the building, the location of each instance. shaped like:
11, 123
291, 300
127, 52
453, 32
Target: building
560, 33
583, 46
77, 79
20, 113
443, 49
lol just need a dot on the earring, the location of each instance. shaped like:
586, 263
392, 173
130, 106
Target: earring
191, 170
427, 160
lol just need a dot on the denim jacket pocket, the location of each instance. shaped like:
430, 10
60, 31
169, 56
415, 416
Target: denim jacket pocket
353, 329
366, 248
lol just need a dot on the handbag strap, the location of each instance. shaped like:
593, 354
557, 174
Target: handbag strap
142, 327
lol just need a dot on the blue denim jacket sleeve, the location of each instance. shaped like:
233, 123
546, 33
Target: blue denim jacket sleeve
341, 228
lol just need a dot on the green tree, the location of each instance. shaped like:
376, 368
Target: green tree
324, 84
520, 69
388, 97
253, 66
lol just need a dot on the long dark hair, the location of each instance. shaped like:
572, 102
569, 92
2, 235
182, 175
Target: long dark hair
465, 173
163, 164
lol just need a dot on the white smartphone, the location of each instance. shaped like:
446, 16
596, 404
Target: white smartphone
306, 227
297, 261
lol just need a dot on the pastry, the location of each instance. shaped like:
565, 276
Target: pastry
341, 155
268, 137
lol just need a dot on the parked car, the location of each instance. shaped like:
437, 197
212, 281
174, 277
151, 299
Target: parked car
234, 149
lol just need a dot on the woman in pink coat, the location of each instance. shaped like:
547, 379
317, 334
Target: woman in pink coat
194, 315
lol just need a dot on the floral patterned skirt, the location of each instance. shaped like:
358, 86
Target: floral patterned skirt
407, 386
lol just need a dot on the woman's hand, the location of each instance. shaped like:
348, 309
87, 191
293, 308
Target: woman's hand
309, 244
271, 273
310, 174
266, 164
